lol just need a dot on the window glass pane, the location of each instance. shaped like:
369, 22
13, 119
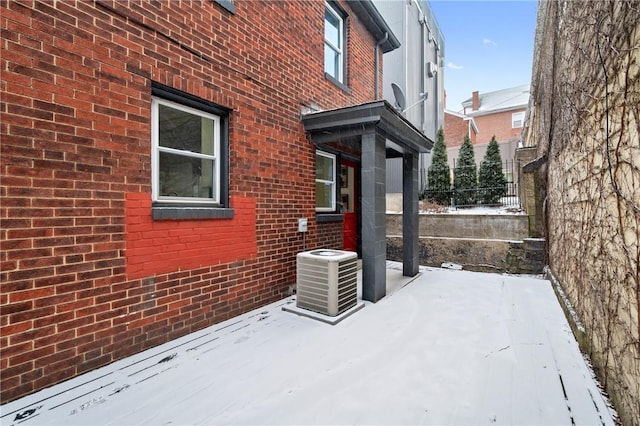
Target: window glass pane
517, 119
185, 131
325, 182
182, 176
331, 62
324, 168
207, 184
187, 149
333, 44
332, 28
324, 195
207, 141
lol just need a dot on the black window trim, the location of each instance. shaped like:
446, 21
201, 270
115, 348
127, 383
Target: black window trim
162, 210
329, 217
337, 83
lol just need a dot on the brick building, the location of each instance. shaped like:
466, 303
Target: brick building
156, 157
457, 126
500, 113
484, 115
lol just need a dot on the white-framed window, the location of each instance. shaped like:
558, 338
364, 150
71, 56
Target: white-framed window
325, 182
186, 154
517, 119
334, 43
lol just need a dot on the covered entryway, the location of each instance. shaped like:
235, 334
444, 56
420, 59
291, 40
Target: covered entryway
376, 131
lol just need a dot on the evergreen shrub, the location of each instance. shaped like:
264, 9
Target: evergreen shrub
492, 185
438, 174
465, 180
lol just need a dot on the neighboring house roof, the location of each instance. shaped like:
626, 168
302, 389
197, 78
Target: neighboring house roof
474, 126
500, 100
375, 23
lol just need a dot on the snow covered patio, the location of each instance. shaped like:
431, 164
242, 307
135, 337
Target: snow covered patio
447, 347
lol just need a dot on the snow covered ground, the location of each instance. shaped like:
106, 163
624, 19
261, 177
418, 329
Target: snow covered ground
449, 347
477, 210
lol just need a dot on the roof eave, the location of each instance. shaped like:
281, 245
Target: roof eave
479, 113
473, 123
375, 23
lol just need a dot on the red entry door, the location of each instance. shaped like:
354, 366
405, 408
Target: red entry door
349, 174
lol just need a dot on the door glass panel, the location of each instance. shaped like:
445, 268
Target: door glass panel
347, 189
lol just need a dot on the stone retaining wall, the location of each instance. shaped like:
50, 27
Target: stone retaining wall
467, 226
488, 243
516, 257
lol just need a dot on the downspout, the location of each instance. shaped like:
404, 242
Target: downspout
436, 87
376, 61
423, 70
424, 39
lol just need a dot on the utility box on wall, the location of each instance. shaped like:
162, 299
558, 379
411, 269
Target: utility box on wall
327, 281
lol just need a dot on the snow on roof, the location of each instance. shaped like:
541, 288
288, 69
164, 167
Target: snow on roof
505, 99
455, 113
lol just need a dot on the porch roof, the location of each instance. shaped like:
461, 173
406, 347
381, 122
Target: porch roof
347, 124
376, 131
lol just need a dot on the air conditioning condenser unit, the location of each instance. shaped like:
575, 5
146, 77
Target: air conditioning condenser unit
327, 281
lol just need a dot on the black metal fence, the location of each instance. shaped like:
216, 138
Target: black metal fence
477, 195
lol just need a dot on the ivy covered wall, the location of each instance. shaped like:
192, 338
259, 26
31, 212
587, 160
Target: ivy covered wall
585, 121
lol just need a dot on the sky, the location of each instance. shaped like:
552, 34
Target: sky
488, 45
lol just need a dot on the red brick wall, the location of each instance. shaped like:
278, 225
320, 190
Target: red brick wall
330, 235
498, 124
81, 285
455, 129
160, 246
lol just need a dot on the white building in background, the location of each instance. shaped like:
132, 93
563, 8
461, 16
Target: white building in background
416, 69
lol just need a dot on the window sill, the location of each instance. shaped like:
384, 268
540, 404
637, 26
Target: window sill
227, 4
329, 217
184, 213
337, 83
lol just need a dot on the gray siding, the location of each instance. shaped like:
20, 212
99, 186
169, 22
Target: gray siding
422, 43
